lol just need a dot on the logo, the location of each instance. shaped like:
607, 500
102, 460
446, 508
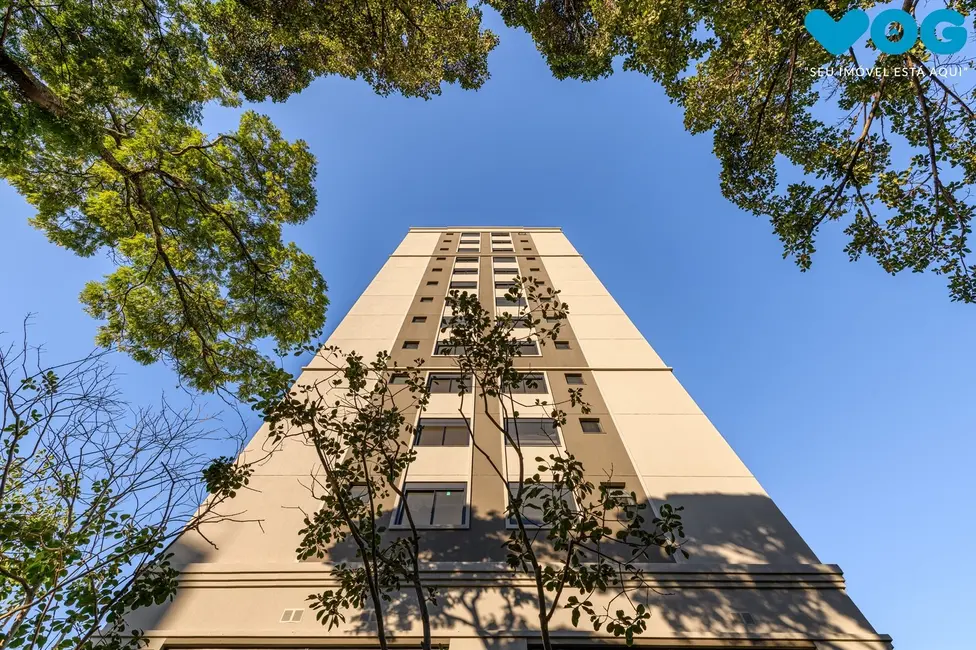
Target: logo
837, 36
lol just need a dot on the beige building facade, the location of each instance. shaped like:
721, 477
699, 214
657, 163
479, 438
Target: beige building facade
750, 582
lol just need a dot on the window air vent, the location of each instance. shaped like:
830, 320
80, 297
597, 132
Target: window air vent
291, 616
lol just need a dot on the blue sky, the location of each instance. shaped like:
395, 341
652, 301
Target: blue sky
847, 392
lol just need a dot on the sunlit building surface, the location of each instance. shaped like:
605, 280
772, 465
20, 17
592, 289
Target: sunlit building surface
750, 582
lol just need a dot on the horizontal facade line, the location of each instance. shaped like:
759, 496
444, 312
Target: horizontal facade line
559, 368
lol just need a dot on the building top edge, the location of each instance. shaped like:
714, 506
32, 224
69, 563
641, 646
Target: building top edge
486, 227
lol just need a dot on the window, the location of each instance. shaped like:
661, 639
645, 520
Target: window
531, 382
531, 510
528, 249
531, 259
434, 505
504, 260
437, 270
432, 283
628, 507
499, 234
532, 432
411, 345
574, 378
528, 348
468, 250
443, 249
535, 268
448, 349
431, 432
464, 284
398, 378
561, 345
448, 321
441, 259
504, 284
418, 319
464, 271
360, 492
502, 301
590, 425
467, 260
503, 250
499, 271
426, 299
524, 241
448, 383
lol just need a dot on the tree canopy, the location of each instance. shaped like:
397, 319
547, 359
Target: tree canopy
101, 105
101, 108
888, 155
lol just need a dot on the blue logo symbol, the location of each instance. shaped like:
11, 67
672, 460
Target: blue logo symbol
837, 36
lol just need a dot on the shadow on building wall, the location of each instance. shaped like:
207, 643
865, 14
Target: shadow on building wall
746, 559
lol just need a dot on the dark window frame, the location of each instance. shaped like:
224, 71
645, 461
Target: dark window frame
435, 488
453, 381
589, 422
547, 435
529, 523
443, 428
527, 378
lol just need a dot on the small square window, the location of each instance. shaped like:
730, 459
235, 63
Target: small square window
436, 270
443, 249
531, 259
590, 425
574, 378
535, 268
399, 378
426, 299
419, 319
561, 345
411, 345
432, 283
524, 241
449, 233
464, 284
441, 259
528, 249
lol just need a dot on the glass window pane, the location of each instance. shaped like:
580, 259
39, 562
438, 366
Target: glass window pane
430, 435
532, 431
421, 507
449, 508
456, 436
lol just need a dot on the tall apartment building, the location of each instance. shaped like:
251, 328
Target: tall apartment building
750, 582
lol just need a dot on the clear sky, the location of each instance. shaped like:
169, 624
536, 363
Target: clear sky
847, 392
